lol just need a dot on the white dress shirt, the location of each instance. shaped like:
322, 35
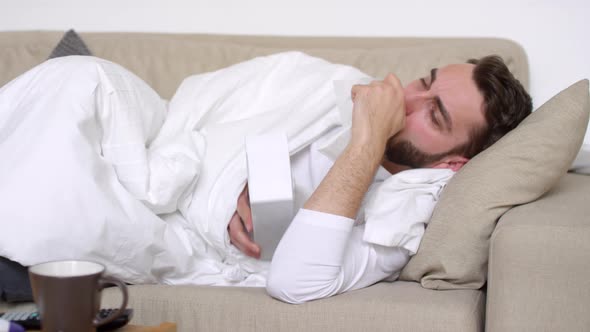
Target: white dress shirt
322, 254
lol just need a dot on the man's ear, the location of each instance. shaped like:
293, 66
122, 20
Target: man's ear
454, 162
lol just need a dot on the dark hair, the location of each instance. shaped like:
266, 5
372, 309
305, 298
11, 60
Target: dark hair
506, 104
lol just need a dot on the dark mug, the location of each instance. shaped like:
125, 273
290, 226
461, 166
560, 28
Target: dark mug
68, 294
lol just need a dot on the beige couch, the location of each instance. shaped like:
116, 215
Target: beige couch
539, 263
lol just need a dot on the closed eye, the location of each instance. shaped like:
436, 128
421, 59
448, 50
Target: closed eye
439, 107
433, 118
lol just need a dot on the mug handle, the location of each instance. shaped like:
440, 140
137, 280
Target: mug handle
102, 283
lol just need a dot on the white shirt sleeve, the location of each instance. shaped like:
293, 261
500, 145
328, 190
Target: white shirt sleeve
322, 255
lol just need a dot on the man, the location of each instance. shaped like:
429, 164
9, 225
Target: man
123, 155
440, 121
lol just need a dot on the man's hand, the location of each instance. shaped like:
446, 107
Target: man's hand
241, 224
378, 113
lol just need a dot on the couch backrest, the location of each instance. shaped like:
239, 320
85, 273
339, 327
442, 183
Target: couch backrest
164, 60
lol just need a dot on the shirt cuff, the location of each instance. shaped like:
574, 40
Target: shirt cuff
324, 220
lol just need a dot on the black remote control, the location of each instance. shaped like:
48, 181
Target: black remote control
30, 319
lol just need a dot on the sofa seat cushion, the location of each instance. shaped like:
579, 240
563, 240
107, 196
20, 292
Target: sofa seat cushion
398, 306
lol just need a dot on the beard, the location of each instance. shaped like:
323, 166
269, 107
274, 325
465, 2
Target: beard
403, 152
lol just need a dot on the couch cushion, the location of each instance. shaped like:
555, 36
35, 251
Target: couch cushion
164, 60
517, 169
14, 282
398, 306
540, 264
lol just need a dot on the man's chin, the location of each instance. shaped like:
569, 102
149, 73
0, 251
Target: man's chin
401, 162
405, 154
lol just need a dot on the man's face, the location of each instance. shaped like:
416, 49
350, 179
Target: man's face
441, 111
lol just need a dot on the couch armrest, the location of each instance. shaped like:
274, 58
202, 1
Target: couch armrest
539, 268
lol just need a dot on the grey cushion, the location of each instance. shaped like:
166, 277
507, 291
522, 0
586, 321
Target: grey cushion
70, 44
14, 282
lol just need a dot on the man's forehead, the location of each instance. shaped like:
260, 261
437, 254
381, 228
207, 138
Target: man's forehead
459, 92
457, 68
465, 68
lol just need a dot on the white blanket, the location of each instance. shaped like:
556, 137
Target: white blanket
90, 169
60, 196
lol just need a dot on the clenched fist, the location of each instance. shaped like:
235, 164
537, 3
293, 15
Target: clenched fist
378, 113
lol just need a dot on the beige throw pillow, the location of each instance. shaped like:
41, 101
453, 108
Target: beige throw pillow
517, 169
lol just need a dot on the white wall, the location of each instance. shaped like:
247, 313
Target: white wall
554, 33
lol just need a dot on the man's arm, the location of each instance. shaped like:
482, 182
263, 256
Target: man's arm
342, 190
379, 113
321, 254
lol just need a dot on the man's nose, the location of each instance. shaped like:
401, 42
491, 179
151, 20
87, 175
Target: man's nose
412, 101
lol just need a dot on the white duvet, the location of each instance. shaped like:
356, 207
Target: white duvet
94, 165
